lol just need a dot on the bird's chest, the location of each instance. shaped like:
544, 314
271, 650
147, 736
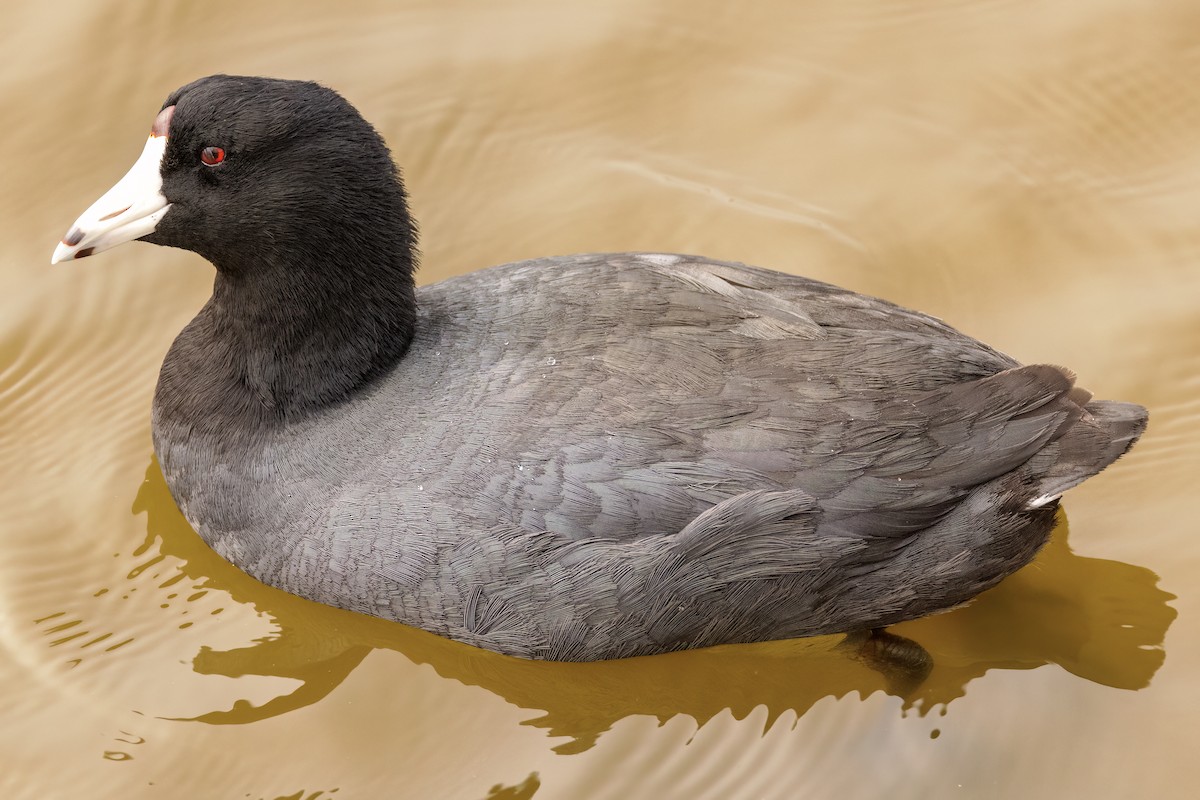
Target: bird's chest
229, 494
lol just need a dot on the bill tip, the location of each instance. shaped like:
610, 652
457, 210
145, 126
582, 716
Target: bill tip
62, 253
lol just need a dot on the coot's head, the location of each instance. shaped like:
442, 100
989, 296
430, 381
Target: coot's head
257, 175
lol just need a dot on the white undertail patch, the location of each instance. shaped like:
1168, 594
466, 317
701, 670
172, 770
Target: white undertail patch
1042, 500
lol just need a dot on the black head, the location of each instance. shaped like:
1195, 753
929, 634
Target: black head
293, 196
256, 172
255, 163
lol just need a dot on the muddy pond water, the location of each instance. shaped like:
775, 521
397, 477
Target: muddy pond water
1028, 171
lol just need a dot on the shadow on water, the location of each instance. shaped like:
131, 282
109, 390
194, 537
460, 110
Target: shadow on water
1101, 620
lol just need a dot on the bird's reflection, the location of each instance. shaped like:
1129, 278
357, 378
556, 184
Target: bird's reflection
1101, 620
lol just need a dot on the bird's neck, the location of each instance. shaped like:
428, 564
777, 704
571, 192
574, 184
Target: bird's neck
280, 340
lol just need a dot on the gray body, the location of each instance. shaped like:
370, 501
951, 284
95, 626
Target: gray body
616, 455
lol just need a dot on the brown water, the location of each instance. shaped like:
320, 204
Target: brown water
1027, 170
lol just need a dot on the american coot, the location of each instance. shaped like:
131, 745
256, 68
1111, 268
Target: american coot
584, 457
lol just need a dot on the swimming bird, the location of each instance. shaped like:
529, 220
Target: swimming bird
570, 458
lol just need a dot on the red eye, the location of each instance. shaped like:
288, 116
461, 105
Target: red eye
212, 156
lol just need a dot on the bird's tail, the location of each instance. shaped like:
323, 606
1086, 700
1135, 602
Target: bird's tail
1103, 433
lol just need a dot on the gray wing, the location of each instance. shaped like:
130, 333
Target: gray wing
706, 381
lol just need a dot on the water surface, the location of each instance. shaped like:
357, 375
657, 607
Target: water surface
1026, 170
